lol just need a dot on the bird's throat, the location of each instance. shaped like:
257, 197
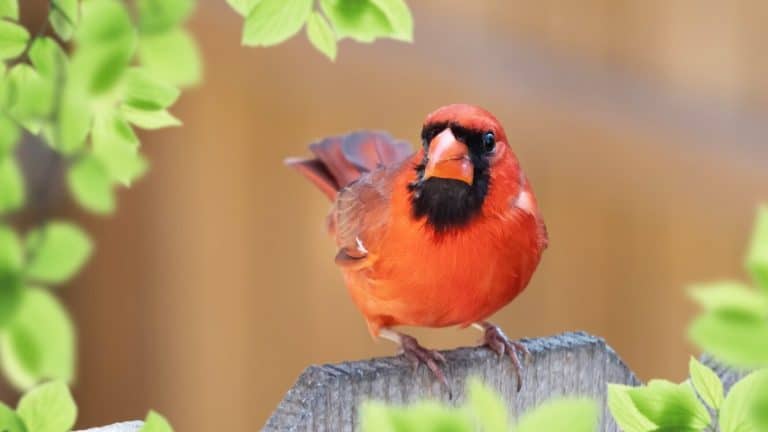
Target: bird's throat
447, 204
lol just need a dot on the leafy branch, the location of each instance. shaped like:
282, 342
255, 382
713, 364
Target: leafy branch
83, 98
84, 106
270, 22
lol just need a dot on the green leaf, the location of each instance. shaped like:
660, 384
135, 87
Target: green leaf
57, 252
39, 343
11, 260
735, 338
9, 9
106, 43
624, 410
75, 120
735, 414
321, 35
61, 25
757, 259
48, 57
156, 423
111, 128
427, 416
3, 74
488, 407
116, 147
9, 136
13, 39
399, 16
361, 20
10, 296
48, 408
374, 417
573, 415
5, 97
760, 406
9, 420
12, 185
243, 7
159, 16
11, 251
730, 297
104, 22
274, 21
30, 96
172, 57
707, 383
156, 119
64, 17
145, 92
90, 183
98, 70
669, 405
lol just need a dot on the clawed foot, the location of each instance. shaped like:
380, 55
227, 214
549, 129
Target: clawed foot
418, 355
496, 340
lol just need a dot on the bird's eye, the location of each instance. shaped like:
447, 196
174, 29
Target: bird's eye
489, 142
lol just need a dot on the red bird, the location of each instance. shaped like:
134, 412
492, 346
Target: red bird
441, 237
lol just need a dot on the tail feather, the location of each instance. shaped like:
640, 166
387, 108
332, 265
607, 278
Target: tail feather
341, 160
317, 173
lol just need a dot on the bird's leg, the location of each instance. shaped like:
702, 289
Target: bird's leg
496, 340
416, 353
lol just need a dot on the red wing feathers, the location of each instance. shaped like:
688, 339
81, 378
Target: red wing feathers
371, 150
352, 170
360, 214
341, 160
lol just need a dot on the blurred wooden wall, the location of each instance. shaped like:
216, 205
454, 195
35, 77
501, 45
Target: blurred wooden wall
640, 123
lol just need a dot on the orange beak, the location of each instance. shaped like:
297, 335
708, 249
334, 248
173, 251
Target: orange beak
449, 159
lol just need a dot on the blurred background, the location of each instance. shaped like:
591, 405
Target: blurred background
642, 125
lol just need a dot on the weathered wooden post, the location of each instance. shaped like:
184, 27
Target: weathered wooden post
326, 398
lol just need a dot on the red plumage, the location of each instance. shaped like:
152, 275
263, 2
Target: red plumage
455, 265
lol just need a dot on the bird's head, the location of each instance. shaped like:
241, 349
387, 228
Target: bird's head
462, 146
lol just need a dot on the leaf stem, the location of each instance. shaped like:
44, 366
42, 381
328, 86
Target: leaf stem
25, 54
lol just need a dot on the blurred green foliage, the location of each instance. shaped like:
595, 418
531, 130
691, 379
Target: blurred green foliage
82, 82
662, 405
483, 411
734, 324
50, 408
46, 408
156, 423
270, 22
83, 98
733, 327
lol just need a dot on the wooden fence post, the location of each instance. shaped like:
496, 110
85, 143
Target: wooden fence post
326, 398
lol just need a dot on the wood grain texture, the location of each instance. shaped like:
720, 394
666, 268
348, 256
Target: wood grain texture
326, 398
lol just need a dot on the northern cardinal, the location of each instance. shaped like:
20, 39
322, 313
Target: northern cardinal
444, 236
